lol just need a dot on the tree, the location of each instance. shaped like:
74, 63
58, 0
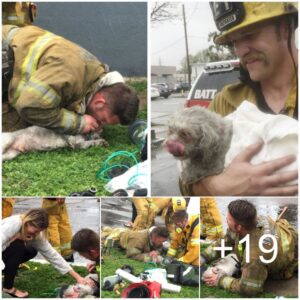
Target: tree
163, 11
210, 54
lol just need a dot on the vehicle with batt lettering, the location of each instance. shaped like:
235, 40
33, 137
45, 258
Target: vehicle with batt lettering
212, 79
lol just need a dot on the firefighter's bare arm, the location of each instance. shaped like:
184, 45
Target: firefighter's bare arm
243, 178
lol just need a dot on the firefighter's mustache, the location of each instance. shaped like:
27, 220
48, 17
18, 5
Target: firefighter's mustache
251, 57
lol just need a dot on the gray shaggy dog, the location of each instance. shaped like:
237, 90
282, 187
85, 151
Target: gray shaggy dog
201, 149
35, 138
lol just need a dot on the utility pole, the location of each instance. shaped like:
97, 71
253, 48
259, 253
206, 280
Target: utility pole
186, 47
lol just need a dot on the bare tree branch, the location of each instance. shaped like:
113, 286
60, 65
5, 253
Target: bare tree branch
163, 11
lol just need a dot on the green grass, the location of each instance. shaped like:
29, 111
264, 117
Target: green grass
214, 292
117, 259
139, 85
64, 171
42, 281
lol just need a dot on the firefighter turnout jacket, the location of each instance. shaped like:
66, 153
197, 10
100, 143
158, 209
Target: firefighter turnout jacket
7, 207
147, 209
233, 95
137, 244
256, 271
211, 220
185, 245
53, 78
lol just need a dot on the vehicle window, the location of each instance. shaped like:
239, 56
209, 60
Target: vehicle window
209, 84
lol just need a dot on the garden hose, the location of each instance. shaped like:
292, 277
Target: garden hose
107, 171
150, 265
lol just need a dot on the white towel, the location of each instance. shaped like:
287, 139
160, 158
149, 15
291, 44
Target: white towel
279, 133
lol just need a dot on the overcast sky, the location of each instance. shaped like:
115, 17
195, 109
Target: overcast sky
167, 39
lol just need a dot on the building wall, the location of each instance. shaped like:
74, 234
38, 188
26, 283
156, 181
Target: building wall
115, 32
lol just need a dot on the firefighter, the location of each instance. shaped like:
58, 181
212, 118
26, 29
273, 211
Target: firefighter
211, 220
18, 13
146, 211
185, 244
7, 207
262, 35
143, 245
61, 86
177, 203
148, 208
243, 221
59, 231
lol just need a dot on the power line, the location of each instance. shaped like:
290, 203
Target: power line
167, 47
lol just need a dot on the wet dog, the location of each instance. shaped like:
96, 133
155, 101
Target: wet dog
35, 138
205, 142
229, 265
200, 139
82, 290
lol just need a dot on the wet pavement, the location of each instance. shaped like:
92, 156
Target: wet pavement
164, 168
83, 213
115, 212
266, 206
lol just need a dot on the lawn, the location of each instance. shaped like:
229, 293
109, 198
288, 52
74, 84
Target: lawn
117, 259
64, 171
42, 279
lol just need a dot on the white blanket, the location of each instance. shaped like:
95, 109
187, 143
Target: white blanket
278, 132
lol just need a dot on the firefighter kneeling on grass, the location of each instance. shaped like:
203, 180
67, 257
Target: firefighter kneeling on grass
252, 239
143, 245
183, 255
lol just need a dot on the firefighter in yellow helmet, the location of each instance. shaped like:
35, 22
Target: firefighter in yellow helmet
18, 13
59, 231
148, 208
177, 203
7, 207
211, 220
185, 245
262, 36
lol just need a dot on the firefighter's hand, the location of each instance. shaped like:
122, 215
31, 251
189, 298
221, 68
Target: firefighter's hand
213, 278
202, 260
153, 254
167, 260
243, 178
91, 267
91, 124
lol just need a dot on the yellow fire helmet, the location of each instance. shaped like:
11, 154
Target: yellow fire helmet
18, 13
178, 203
232, 16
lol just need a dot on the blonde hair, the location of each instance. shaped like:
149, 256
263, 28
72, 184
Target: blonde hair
38, 218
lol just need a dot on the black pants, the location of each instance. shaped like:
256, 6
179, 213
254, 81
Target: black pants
13, 256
